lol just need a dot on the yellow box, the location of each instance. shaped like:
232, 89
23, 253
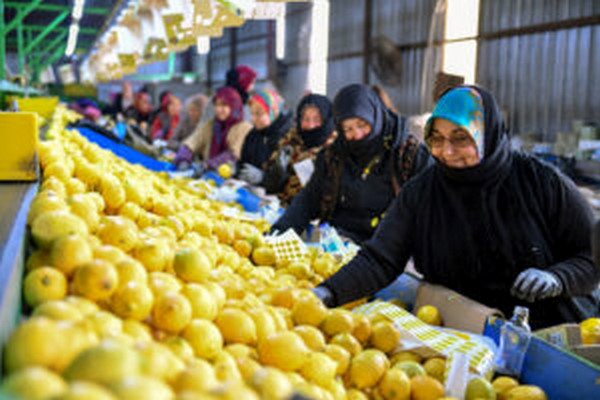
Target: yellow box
18, 146
44, 106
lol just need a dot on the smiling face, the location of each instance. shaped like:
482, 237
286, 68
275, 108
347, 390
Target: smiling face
355, 128
311, 118
452, 145
260, 118
222, 110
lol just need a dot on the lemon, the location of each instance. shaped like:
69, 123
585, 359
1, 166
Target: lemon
218, 293
34, 383
158, 361
55, 185
112, 191
405, 356
425, 388
362, 328
137, 330
395, 385
180, 347
319, 368
204, 305
76, 337
348, 342
109, 253
95, 280
58, 310
435, 368
264, 255
226, 368
192, 265
37, 259
43, 203
75, 186
236, 326
283, 350
264, 322
135, 192
86, 391
502, 385
204, 337
119, 231
480, 388
131, 211
171, 312
338, 321
134, 301
57, 170
161, 283
225, 171
526, 392
312, 337
49, 226
154, 254
85, 306
199, 376
108, 362
367, 368
272, 384
411, 368
430, 315
224, 232
44, 284
385, 336
142, 388
130, 270
69, 252
590, 331
309, 311
106, 324
86, 208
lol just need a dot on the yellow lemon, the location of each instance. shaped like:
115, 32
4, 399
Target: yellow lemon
430, 315
135, 192
202, 301
242, 247
131, 211
86, 391
340, 355
272, 384
526, 392
338, 321
162, 282
385, 336
44, 284
112, 191
69, 252
313, 338
355, 394
362, 328
225, 171
236, 326
33, 342
34, 383
158, 361
348, 342
180, 347
53, 184
85, 306
192, 265
502, 385
109, 253
38, 259
106, 324
226, 369
137, 330
142, 388
134, 301
218, 293
264, 322
319, 368
411, 368
204, 337
264, 256
426, 388
43, 203
86, 208
58, 310
95, 280
590, 331
309, 311
283, 350
480, 388
118, 231
154, 253
51, 225
130, 270
395, 385
405, 356
75, 186
435, 368
171, 312
57, 170
199, 376
367, 368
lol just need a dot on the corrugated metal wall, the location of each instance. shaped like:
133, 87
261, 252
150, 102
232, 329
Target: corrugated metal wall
543, 80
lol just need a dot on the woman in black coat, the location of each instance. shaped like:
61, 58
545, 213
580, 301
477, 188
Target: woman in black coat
498, 226
357, 177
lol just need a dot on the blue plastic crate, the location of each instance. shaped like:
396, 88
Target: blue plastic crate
127, 153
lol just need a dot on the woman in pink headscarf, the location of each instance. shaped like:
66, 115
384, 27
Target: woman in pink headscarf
221, 138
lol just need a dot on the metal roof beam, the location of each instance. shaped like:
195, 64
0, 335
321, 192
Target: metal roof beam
59, 7
21, 14
82, 30
49, 28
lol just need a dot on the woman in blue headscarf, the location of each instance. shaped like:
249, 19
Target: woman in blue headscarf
498, 226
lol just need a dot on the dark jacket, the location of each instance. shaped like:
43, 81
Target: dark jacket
474, 230
362, 197
260, 144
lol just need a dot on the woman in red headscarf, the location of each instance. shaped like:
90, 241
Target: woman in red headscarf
220, 140
166, 121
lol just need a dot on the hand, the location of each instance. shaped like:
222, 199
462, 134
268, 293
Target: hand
251, 174
535, 284
284, 157
324, 295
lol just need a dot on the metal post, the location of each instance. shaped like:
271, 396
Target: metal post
2, 42
46, 31
20, 15
367, 39
20, 53
233, 48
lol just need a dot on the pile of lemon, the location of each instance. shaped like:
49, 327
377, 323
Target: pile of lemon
140, 288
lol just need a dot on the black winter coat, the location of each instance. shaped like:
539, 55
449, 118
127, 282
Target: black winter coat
260, 144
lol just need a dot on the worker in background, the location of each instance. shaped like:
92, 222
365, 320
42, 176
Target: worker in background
192, 115
140, 111
221, 138
121, 101
358, 176
271, 122
495, 225
166, 121
242, 78
290, 166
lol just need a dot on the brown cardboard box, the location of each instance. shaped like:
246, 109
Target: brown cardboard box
568, 337
458, 312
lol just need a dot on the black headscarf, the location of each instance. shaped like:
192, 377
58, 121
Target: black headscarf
317, 136
360, 101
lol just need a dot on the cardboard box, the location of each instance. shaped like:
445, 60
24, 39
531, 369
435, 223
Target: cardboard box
19, 150
568, 337
458, 312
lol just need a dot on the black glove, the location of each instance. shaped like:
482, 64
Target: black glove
251, 174
324, 295
535, 284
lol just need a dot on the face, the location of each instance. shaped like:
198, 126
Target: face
260, 118
452, 145
174, 106
355, 128
311, 118
143, 104
193, 113
222, 110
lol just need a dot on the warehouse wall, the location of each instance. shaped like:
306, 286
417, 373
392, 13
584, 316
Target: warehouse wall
544, 77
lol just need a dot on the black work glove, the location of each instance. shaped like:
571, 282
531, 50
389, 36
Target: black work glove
324, 295
535, 284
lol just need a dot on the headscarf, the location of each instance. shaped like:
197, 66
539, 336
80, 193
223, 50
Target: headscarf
462, 106
270, 101
231, 97
360, 101
186, 127
240, 78
317, 136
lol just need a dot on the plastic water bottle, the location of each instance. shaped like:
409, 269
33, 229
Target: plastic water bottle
329, 239
514, 341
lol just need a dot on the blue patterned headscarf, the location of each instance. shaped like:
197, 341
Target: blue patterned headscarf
462, 106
